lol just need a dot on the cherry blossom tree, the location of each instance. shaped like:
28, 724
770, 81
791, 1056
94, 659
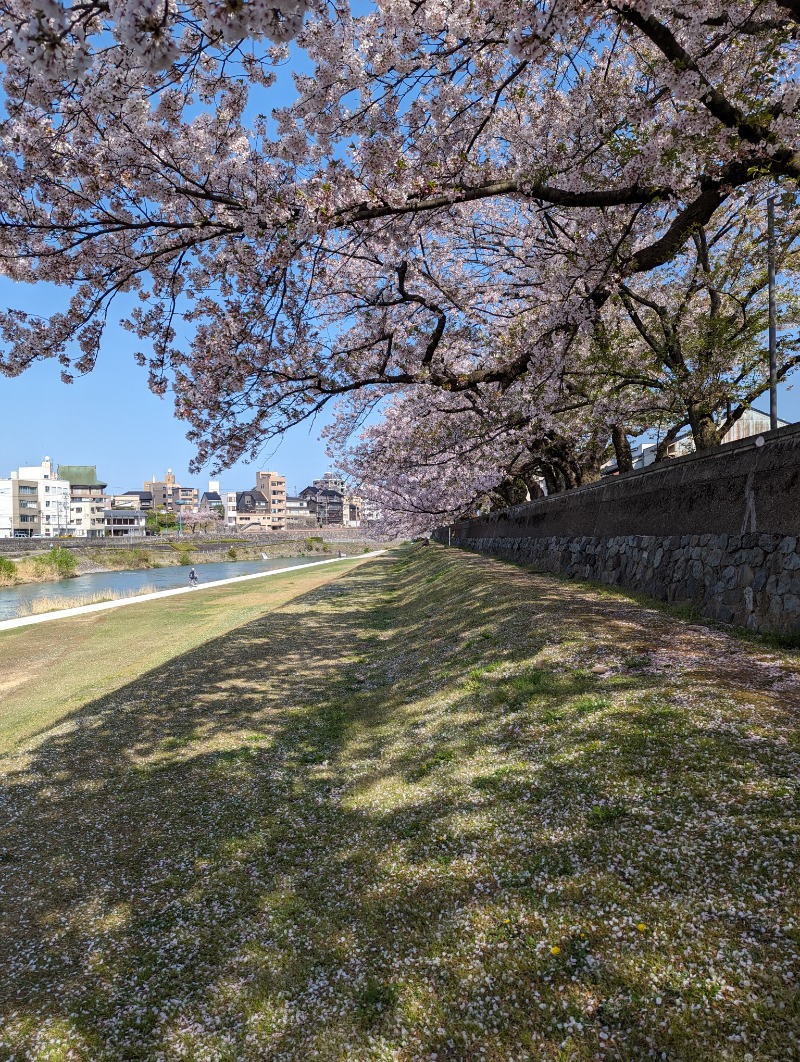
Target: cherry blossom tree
695, 331
451, 201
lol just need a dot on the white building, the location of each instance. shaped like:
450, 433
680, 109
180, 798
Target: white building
229, 500
19, 508
298, 513
54, 497
125, 523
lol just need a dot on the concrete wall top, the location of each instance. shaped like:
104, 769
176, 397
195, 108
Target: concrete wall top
748, 486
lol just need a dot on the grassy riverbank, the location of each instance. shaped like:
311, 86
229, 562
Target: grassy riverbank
50, 670
438, 807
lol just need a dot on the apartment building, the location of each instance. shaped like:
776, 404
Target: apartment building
54, 495
252, 511
332, 507
298, 513
229, 501
88, 500
20, 516
169, 495
273, 486
331, 481
133, 499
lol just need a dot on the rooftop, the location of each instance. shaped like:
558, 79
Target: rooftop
80, 475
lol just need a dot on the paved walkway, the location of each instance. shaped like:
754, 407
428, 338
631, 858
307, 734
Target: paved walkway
80, 610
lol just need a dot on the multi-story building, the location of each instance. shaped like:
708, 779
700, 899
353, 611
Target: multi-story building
332, 506
273, 486
88, 500
331, 481
20, 516
229, 501
125, 523
298, 513
55, 499
370, 512
133, 499
252, 511
169, 495
326, 505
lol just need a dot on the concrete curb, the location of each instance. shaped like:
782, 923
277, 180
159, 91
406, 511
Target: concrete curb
80, 610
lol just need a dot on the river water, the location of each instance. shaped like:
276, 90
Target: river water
122, 584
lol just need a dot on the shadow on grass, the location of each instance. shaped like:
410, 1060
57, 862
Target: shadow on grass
278, 845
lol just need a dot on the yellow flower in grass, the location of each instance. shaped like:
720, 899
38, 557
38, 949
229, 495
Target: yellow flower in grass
555, 950
641, 926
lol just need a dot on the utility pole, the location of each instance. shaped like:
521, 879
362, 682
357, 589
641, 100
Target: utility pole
773, 362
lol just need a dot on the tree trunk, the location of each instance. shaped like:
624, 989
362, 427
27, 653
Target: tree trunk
704, 431
622, 448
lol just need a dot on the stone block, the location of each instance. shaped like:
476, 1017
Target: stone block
729, 577
746, 575
791, 604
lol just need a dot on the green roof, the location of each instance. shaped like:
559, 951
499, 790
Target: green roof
80, 475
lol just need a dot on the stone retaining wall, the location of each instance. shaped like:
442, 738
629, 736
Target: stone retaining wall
718, 531
750, 580
330, 535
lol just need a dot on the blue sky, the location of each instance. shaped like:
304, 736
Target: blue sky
110, 418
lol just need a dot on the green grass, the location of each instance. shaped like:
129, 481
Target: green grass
326, 826
94, 654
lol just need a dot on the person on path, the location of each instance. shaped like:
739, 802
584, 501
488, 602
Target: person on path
192, 578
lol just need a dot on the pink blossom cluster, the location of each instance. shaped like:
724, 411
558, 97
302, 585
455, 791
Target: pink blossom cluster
61, 41
462, 206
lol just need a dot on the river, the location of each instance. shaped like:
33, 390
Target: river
123, 584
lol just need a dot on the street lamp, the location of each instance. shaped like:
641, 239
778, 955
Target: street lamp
773, 361
179, 502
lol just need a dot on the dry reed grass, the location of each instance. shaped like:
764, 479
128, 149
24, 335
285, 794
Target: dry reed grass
41, 605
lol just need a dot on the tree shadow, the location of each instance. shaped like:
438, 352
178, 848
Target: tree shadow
277, 846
